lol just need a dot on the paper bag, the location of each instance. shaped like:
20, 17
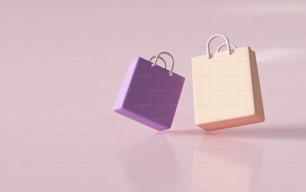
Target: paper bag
226, 88
149, 93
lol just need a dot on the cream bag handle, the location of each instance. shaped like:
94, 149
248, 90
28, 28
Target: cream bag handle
233, 46
212, 38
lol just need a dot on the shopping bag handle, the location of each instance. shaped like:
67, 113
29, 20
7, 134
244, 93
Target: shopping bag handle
158, 56
163, 60
212, 38
233, 46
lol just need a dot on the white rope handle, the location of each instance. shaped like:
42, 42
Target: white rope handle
158, 56
233, 46
212, 38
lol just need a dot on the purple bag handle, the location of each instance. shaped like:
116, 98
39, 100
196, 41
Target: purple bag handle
158, 56
163, 60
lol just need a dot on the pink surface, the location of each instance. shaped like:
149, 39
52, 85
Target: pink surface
61, 66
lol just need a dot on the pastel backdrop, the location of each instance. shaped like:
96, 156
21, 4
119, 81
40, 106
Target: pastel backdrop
62, 63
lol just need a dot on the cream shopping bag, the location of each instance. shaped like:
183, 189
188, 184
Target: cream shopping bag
226, 87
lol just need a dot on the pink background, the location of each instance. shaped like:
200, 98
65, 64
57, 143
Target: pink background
61, 66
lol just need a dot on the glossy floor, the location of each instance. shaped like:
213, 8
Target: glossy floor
62, 63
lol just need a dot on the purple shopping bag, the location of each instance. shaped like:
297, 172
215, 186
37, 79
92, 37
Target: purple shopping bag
149, 93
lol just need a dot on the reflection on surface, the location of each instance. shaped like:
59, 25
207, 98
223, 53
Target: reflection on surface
288, 132
224, 165
150, 166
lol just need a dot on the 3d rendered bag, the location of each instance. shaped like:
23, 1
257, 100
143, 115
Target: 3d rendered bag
226, 88
149, 93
